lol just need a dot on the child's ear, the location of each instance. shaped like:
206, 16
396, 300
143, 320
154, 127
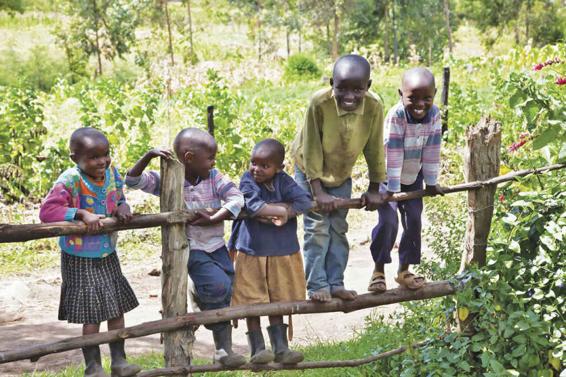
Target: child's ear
188, 156
74, 158
435, 90
400, 92
281, 168
331, 81
369, 83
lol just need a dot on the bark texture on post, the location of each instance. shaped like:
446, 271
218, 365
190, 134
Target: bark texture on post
175, 255
481, 163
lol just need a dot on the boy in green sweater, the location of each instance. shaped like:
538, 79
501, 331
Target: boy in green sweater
341, 122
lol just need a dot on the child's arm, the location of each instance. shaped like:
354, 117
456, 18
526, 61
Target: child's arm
431, 156
313, 159
275, 213
395, 150
374, 153
295, 199
137, 179
57, 206
232, 198
122, 211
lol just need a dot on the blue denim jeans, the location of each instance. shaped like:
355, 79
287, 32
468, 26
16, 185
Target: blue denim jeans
384, 234
326, 247
212, 274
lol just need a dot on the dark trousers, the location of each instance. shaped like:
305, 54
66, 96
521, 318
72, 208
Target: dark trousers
384, 234
212, 274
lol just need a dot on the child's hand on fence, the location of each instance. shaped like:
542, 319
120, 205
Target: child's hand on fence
210, 216
123, 213
93, 221
434, 190
325, 202
158, 152
373, 200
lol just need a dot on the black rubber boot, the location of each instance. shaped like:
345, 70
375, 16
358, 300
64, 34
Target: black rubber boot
93, 363
257, 348
119, 366
223, 344
280, 345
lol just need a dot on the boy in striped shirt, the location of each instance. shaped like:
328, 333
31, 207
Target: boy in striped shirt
209, 265
413, 133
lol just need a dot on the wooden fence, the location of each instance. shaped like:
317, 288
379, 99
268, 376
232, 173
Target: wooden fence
177, 325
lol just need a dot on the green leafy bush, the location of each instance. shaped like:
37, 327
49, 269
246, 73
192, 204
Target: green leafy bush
301, 67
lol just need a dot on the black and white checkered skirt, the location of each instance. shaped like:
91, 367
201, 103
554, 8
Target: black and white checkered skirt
94, 289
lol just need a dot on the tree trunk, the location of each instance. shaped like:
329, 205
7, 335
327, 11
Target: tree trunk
386, 52
287, 36
336, 31
448, 27
430, 52
190, 19
328, 40
300, 40
395, 41
481, 163
98, 71
175, 255
168, 21
527, 21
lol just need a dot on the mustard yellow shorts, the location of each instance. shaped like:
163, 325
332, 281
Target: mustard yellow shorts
262, 280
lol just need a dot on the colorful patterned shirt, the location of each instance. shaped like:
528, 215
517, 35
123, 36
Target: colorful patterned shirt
331, 139
207, 193
74, 190
255, 238
412, 145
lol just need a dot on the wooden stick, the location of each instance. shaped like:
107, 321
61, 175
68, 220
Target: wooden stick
276, 366
430, 290
210, 119
27, 232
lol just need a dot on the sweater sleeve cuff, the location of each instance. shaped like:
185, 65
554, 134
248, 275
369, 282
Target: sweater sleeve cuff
133, 182
70, 214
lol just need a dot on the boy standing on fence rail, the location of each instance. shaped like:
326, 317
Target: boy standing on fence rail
94, 289
269, 265
209, 264
413, 135
341, 122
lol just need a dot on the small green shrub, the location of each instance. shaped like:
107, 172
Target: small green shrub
300, 66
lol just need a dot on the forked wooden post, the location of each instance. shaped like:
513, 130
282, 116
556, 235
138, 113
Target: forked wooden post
175, 254
481, 162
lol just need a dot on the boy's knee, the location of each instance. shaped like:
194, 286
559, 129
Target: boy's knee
214, 293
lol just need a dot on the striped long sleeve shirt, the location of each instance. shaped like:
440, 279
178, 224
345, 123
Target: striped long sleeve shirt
411, 146
208, 193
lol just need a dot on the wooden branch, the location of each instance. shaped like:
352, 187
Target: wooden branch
430, 290
445, 88
27, 232
277, 366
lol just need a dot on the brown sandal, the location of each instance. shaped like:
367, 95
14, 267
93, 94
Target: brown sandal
377, 283
409, 280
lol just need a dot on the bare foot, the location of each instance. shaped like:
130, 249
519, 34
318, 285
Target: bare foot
345, 294
322, 295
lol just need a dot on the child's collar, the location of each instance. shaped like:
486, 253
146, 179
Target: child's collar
412, 120
359, 110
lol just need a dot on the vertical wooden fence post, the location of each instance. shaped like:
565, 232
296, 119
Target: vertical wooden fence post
444, 98
175, 255
481, 163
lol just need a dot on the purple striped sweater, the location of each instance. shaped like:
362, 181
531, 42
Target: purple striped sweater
411, 146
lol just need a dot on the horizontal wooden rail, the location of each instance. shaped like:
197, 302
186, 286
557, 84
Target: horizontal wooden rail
430, 290
276, 366
27, 232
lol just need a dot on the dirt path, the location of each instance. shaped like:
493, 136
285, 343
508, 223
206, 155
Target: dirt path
38, 298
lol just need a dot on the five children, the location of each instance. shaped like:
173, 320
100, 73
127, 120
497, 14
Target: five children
341, 123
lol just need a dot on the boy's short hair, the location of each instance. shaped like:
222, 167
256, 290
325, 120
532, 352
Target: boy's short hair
352, 60
275, 148
192, 138
78, 137
418, 71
